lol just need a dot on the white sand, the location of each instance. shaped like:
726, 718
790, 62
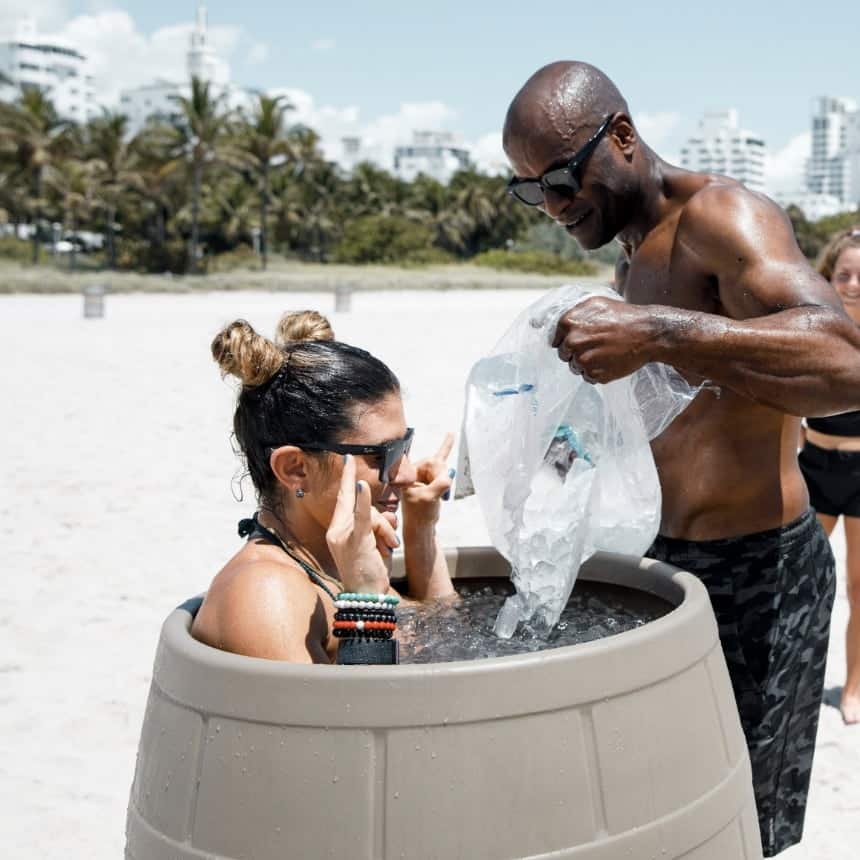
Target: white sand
116, 506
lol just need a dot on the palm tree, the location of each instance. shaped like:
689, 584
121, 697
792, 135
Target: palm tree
32, 136
75, 184
199, 140
116, 167
261, 143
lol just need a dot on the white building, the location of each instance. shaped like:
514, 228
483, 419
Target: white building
30, 61
156, 101
721, 146
833, 167
433, 153
159, 100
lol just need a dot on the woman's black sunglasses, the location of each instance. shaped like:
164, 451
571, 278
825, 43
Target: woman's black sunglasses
565, 180
390, 453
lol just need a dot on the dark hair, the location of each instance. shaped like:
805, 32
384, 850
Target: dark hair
302, 391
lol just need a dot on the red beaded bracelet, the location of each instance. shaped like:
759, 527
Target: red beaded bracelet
364, 625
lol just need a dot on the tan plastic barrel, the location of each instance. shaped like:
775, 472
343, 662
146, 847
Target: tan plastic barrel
627, 747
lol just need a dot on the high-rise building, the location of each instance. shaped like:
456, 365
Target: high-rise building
833, 167
722, 146
30, 61
202, 62
434, 153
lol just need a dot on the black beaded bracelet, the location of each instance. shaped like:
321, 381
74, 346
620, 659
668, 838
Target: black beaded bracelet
347, 615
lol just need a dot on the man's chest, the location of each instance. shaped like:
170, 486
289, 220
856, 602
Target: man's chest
661, 272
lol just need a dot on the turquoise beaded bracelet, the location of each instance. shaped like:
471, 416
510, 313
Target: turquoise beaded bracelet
391, 599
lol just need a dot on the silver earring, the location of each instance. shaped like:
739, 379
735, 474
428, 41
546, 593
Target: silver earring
300, 493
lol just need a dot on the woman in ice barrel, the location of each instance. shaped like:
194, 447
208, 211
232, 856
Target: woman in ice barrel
321, 426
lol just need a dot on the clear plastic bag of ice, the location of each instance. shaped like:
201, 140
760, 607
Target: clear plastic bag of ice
562, 468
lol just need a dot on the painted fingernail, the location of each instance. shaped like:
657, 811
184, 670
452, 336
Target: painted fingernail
396, 541
345, 459
452, 473
358, 487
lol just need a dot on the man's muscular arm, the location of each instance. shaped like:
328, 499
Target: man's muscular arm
785, 340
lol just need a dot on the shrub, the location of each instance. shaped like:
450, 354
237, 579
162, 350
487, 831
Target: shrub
19, 250
541, 262
241, 257
385, 239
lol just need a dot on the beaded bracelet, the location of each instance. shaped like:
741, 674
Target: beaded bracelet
352, 633
362, 604
347, 615
393, 599
365, 625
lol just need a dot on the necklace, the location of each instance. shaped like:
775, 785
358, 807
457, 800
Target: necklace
315, 574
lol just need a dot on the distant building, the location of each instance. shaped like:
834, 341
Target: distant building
833, 167
156, 101
433, 153
30, 61
352, 152
159, 100
722, 147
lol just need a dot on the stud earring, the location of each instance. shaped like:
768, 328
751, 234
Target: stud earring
300, 493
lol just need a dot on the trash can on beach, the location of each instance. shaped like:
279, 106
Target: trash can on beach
94, 301
625, 747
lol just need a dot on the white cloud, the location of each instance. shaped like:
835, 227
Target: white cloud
122, 57
655, 128
785, 166
488, 155
44, 13
323, 45
379, 135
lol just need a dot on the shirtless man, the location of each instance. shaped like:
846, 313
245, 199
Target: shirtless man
716, 286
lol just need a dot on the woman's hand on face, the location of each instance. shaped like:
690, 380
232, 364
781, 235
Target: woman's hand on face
352, 539
421, 500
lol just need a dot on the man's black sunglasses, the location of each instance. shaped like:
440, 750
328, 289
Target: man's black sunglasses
391, 453
565, 180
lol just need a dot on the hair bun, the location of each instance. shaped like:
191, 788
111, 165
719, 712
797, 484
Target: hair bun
243, 353
303, 325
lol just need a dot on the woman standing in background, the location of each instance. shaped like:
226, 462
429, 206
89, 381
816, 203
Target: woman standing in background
830, 461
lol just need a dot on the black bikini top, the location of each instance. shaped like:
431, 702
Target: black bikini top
253, 529
846, 424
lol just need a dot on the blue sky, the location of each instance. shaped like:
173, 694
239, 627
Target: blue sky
362, 61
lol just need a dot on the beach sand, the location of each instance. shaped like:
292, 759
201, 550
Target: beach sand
117, 504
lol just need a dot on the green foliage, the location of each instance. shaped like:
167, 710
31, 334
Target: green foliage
215, 179
139, 255
15, 249
812, 236
540, 262
241, 257
384, 239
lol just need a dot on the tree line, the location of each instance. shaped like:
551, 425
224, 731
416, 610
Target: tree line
214, 180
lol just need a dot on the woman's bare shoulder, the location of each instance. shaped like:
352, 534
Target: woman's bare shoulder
260, 607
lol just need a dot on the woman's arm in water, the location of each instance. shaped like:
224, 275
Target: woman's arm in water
426, 568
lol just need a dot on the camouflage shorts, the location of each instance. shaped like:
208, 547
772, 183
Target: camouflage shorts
772, 593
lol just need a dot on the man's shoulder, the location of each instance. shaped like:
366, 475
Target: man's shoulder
723, 201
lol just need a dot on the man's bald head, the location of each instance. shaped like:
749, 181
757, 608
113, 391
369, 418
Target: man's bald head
558, 100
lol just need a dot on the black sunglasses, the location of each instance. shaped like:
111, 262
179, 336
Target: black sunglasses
567, 178
391, 453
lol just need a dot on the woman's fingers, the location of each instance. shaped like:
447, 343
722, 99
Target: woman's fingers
362, 508
344, 509
445, 448
384, 533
